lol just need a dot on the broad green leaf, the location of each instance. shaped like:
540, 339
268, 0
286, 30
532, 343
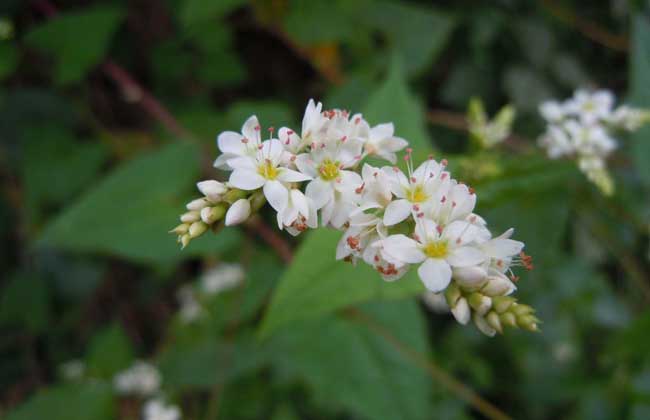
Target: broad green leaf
351, 363
316, 284
640, 92
393, 101
322, 21
415, 33
77, 40
130, 212
25, 302
109, 352
68, 402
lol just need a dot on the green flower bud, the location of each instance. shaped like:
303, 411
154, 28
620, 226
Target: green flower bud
197, 229
521, 310
210, 215
185, 239
502, 303
528, 322
452, 294
180, 229
234, 195
508, 319
492, 318
257, 201
480, 303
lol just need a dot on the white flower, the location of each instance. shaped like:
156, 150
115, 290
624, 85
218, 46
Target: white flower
589, 139
141, 379
313, 124
456, 203
263, 171
298, 215
381, 142
591, 107
375, 188
418, 193
233, 144
238, 212
157, 409
553, 111
438, 249
221, 278
436, 302
628, 118
190, 309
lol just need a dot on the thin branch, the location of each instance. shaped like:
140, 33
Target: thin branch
589, 29
465, 393
272, 238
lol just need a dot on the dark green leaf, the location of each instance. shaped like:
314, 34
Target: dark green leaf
109, 352
640, 92
25, 302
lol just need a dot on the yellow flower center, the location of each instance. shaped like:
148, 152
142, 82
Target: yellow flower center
416, 194
436, 249
267, 170
329, 170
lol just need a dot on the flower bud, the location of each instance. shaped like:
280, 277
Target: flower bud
528, 322
212, 189
470, 278
492, 318
502, 303
197, 229
210, 215
180, 229
257, 200
191, 216
483, 326
233, 195
461, 311
498, 286
185, 239
480, 303
238, 212
452, 294
197, 204
521, 310
508, 319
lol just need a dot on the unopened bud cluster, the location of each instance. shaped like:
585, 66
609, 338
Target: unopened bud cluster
391, 219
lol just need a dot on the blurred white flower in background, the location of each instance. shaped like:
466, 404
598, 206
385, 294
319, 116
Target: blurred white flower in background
157, 409
190, 308
221, 278
141, 379
73, 370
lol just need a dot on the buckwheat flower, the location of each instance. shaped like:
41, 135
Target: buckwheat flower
556, 141
553, 111
234, 145
380, 140
422, 189
141, 379
298, 207
263, 171
374, 191
591, 107
390, 269
436, 302
438, 249
157, 409
456, 203
190, 309
221, 278
313, 124
589, 139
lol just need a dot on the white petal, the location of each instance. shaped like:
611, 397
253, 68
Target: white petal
251, 130
320, 192
396, 212
276, 194
272, 150
231, 142
289, 175
435, 274
470, 277
502, 248
461, 311
243, 162
306, 165
403, 248
426, 229
465, 256
246, 180
238, 212
382, 131
300, 202
211, 188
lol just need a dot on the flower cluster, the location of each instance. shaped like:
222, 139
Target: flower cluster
392, 220
143, 380
581, 127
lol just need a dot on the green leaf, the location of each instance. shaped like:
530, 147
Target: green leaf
416, 33
197, 11
109, 352
322, 21
316, 284
77, 40
68, 402
640, 92
25, 302
394, 102
130, 212
269, 113
349, 363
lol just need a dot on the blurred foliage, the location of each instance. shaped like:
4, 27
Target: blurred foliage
93, 179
